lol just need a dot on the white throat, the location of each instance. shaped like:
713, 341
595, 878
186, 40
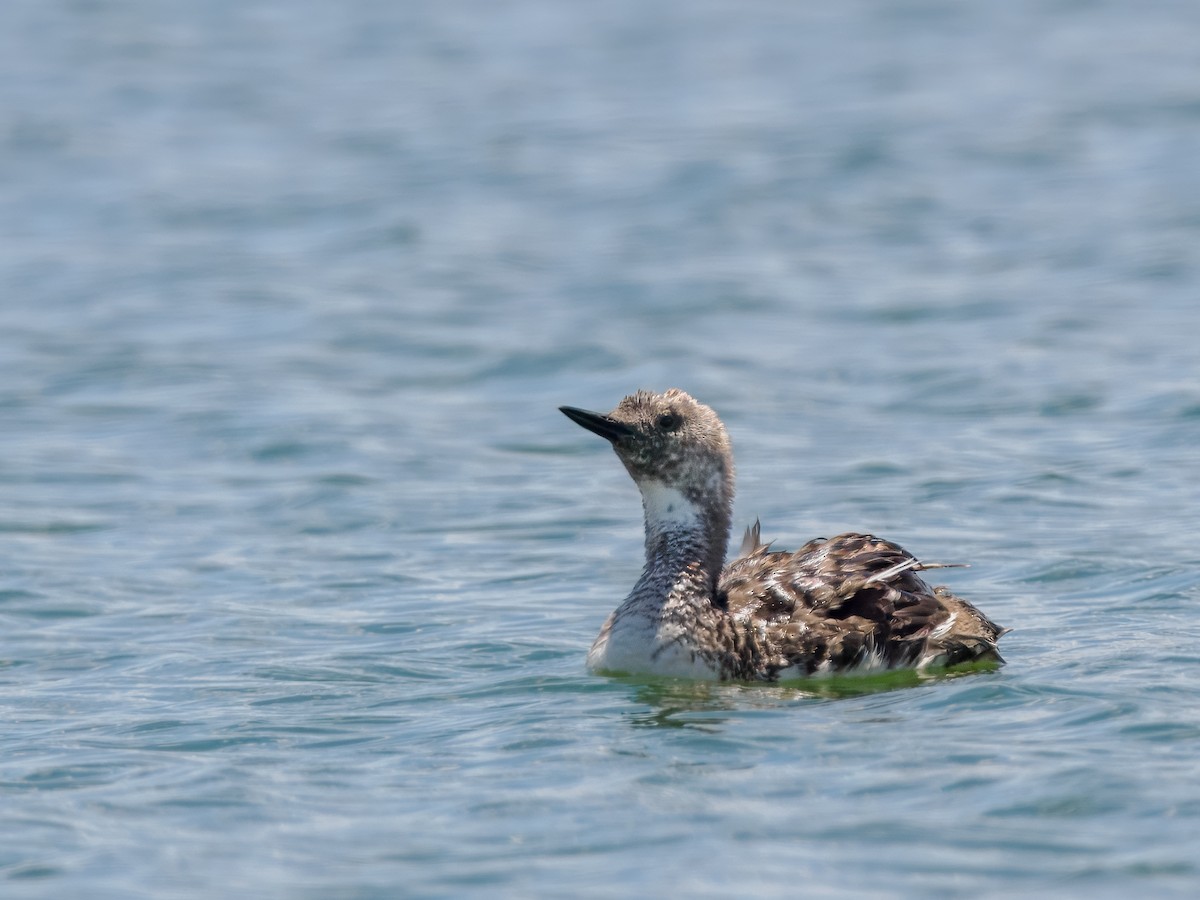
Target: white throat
667, 509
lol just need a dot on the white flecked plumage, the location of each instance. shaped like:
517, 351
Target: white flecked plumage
850, 603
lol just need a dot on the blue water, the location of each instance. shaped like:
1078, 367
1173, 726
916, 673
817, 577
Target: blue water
299, 563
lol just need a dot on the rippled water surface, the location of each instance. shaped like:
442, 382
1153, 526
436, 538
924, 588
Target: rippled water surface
299, 562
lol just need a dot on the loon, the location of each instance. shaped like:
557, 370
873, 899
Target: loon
851, 603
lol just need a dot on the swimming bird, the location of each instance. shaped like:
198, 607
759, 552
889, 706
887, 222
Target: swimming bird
851, 603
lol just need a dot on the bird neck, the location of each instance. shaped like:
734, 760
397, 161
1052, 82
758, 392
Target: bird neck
685, 538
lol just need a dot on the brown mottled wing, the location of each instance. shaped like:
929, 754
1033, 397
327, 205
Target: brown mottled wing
850, 601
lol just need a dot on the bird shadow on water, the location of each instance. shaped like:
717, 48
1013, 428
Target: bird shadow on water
707, 705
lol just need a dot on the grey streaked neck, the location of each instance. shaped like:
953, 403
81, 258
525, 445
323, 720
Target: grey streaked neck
682, 531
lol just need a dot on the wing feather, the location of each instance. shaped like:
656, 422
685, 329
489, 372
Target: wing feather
851, 601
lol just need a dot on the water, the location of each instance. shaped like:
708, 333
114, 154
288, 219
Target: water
299, 562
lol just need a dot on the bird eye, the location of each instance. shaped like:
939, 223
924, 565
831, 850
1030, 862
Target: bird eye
669, 421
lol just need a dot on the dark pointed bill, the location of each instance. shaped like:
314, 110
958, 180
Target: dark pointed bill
607, 428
